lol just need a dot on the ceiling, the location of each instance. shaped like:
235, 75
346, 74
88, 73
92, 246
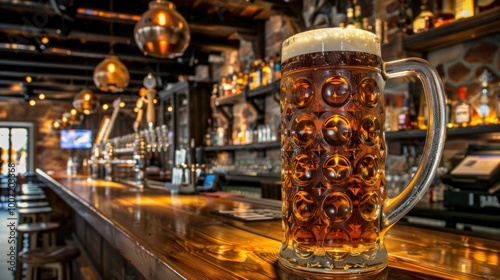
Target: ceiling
81, 33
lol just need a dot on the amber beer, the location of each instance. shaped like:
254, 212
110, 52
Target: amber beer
333, 152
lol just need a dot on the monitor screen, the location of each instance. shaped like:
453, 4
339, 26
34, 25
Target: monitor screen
76, 139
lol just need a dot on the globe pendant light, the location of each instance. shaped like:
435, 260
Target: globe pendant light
111, 75
162, 32
86, 102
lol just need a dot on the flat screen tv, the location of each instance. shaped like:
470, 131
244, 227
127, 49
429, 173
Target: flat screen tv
76, 139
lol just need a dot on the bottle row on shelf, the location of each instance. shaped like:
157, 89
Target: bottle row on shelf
407, 17
257, 133
477, 108
253, 75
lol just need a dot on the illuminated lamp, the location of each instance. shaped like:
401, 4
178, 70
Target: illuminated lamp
85, 102
111, 75
162, 32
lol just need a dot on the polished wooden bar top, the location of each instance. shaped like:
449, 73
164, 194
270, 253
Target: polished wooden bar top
169, 236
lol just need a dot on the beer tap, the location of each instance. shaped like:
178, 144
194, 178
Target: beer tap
140, 145
108, 166
140, 161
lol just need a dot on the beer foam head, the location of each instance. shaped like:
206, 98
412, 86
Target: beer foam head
330, 39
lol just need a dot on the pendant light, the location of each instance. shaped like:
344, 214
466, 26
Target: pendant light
86, 102
162, 32
111, 75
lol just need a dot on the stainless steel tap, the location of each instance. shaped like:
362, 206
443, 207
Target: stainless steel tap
108, 166
139, 158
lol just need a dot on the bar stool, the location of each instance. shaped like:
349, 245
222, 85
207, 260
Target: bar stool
26, 197
32, 204
33, 231
33, 215
57, 258
37, 191
31, 189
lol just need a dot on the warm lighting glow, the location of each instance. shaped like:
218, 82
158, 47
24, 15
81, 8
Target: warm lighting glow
44, 40
111, 75
41, 96
28, 79
170, 109
162, 31
56, 125
122, 104
162, 19
73, 112
32, 102
105, 106
111, 68
86, 102
136, 109
155, 101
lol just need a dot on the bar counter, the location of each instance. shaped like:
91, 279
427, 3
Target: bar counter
170, 236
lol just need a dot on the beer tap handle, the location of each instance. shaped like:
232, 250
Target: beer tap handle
116, 106
150, 111
137, 123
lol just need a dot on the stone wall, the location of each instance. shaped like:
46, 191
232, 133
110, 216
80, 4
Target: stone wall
461, 65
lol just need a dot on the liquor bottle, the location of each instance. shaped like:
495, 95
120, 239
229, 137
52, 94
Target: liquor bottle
277, 67
367, 26
349, 23
388, 115
404, 118
357, 15
423, 115
404, 21
267, 77
463, 110
246, 75
446, 15
208, 135
464, 9
240, 81
213, 134
484, 97
425, 20
379, 29
256, 74
449, 120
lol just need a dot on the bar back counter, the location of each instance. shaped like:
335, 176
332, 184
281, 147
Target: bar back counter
153, 234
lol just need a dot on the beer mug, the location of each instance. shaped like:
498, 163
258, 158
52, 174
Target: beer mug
335, 207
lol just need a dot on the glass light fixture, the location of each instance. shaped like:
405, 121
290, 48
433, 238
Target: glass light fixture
86, 102
111, 75
162, 31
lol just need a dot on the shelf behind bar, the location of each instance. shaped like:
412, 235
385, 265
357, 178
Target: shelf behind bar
253, 146
462, 30
450, 132
247, 177
230, 100
263, 90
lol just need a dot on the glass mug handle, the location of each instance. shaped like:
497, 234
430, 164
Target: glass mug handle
395, 208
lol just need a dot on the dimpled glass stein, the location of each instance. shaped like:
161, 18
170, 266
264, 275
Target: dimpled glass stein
335, 207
